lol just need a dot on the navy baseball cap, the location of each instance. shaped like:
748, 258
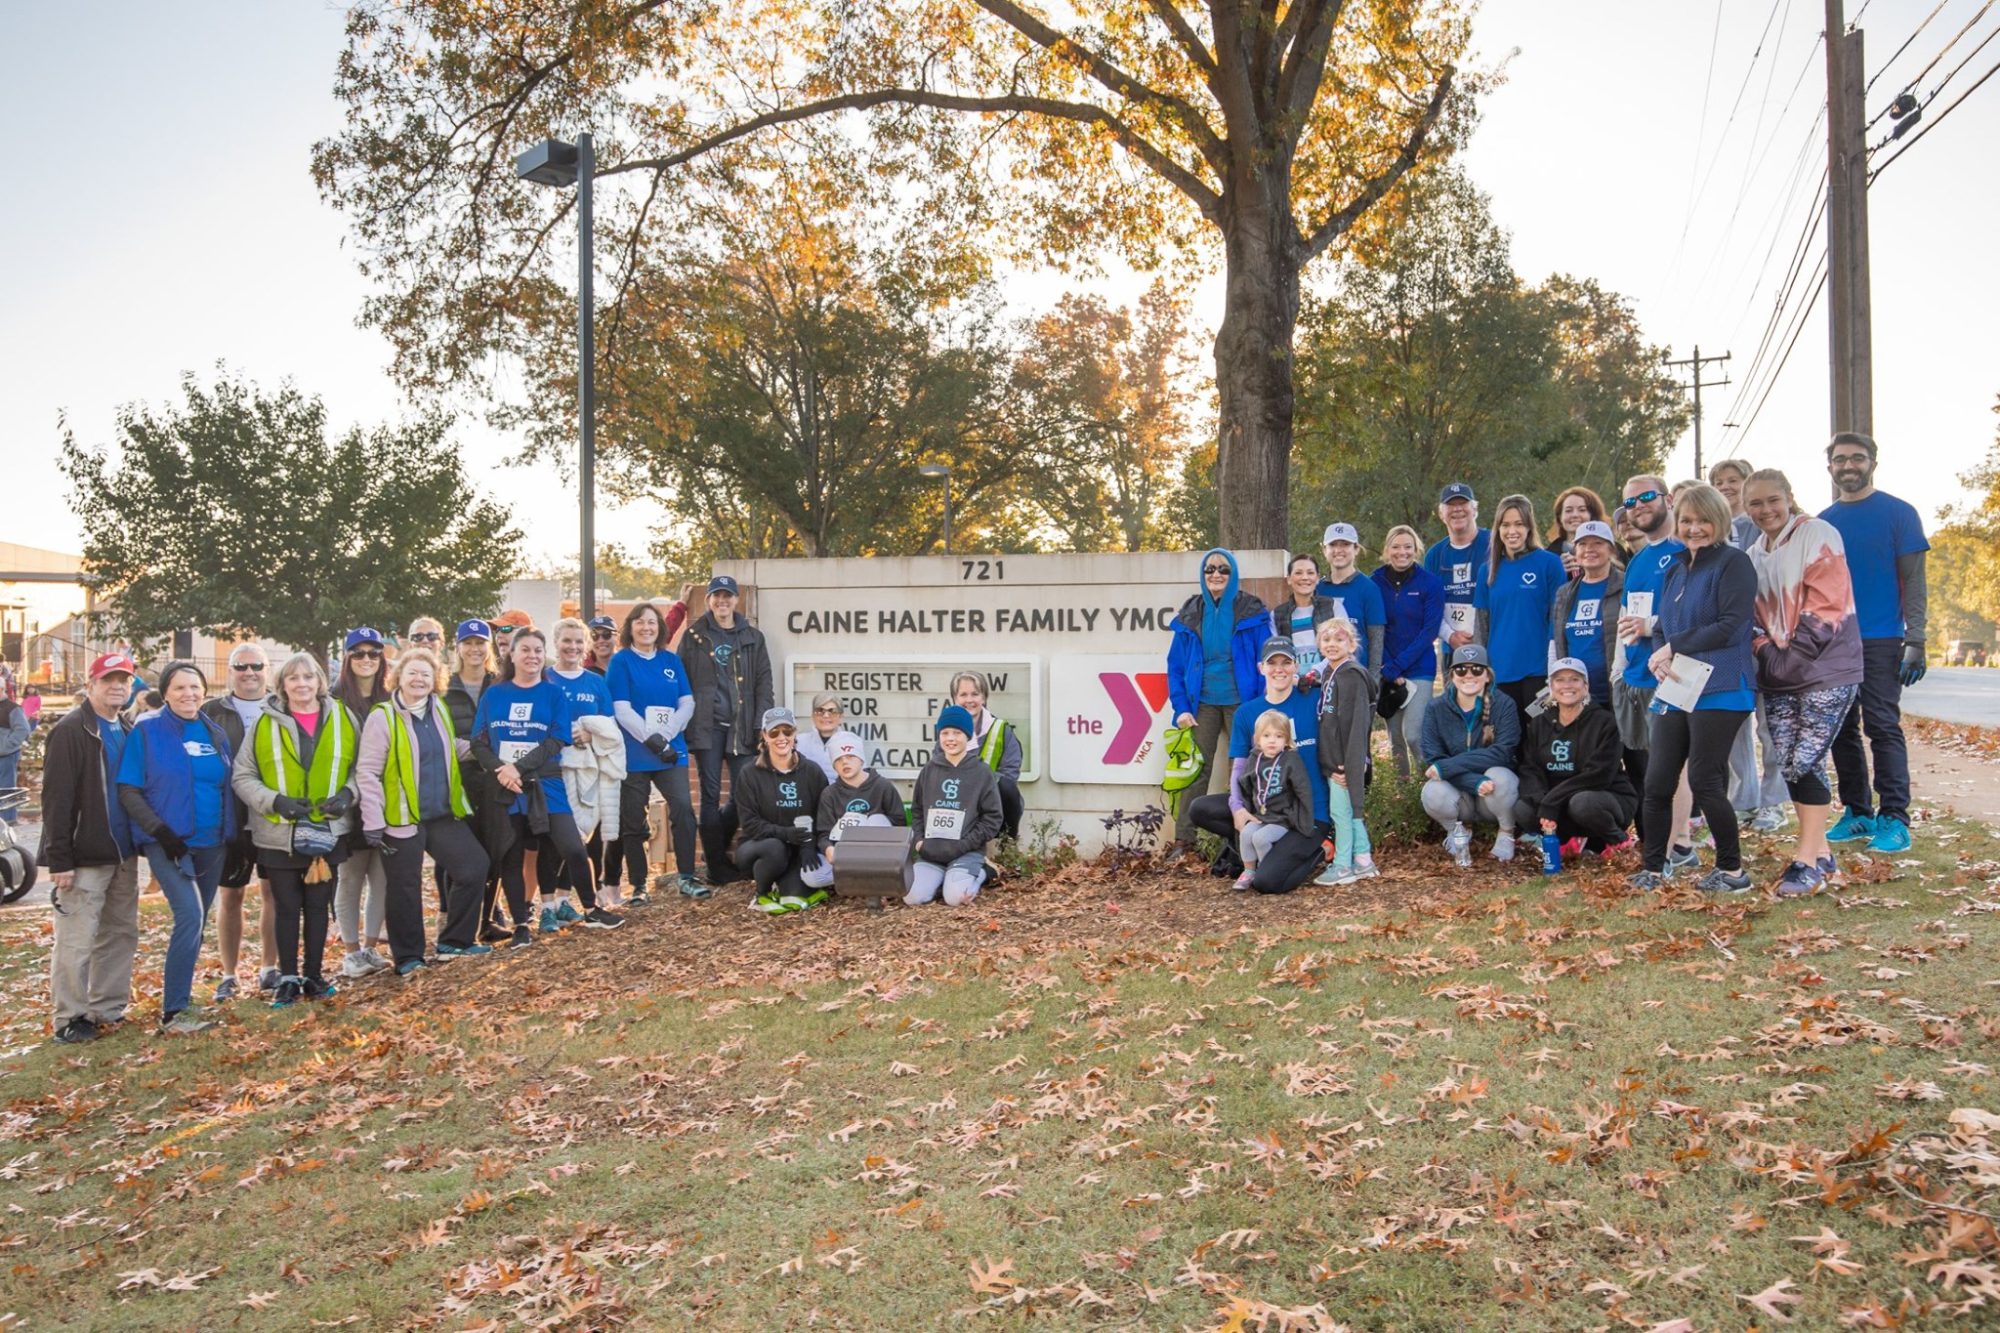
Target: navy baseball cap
473, 629
603, 622
722, 583
1458, 490
1277, 646
357, 637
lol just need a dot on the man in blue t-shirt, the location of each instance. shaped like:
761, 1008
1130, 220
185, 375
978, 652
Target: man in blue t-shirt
1459, 562
1885, 544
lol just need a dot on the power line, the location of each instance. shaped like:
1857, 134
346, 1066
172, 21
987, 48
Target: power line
1735, 106
1779, 307
1925, 105
1936, 121
1701, 130
1805, 317
1884, 67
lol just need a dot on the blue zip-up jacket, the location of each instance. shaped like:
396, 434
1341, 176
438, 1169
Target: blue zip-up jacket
1252, 620
1412, 617
1451, 739
156, 767
1708, 610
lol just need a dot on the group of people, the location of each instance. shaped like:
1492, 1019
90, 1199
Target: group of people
1696, 648
527, 756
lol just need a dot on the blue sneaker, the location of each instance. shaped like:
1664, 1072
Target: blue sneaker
1681, 859
463, 950
1724, 881
567, 915
1891, 835
1851, 827
547, 923
1800, 881
1647, 881
1827, 867
409, 967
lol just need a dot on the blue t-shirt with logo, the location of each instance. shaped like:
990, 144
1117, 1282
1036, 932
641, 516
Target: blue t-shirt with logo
1584, 631
1518, 603
1361, 602
518, 718
1302, 708
589, 694
648, 684
1460, 568
1646, 572
1877, 532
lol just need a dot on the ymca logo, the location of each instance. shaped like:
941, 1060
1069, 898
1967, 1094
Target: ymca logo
1137, 698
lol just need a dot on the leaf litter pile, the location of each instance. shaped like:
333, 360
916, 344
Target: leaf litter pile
1108, 1099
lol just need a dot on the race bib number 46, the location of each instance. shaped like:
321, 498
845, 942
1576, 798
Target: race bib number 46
513, 752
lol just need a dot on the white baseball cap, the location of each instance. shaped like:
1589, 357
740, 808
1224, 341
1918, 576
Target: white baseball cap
844, 743
1340, 532
1569, 664
1596, 528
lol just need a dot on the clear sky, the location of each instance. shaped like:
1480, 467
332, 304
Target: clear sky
162, 220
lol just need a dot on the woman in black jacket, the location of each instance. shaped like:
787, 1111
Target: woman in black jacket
1572, 770
777, 798
729, 672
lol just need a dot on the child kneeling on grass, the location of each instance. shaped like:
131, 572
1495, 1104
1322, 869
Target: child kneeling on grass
957, 814
857, 795
1346, 712
1277, 793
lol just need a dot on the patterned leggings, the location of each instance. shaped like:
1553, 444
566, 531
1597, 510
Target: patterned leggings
1802, 730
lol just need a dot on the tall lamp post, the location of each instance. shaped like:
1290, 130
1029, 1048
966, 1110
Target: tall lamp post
941, 472
554, 162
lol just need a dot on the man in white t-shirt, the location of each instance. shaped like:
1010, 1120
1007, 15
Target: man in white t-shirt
236, 713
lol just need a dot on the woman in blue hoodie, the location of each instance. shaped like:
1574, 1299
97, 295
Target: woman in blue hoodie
173, 782
1212, 658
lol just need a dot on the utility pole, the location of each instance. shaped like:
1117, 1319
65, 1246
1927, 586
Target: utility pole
1849, 312
1694, 364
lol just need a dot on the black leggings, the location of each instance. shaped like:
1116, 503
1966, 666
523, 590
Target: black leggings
460, 863
1699, 742
1635, 771
297, 899
1595, 816
561, 843
1294, 860
1809, 789
774, 864
1523, 692
633, 796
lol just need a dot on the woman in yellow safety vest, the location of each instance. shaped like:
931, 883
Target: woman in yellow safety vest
294, 774
994, 741
413, 801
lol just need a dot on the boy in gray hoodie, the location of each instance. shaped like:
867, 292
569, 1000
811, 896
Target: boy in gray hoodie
956, 813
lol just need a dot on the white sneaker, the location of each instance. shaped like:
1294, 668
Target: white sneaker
1333, 875
355, 965
376, 962
1368, 870
1503, 847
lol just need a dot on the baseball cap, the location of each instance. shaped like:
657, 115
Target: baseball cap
109, 664
1277, 646
603, 622
1458, 490
357, 637
473, 629
1471, 655
1340, 532
1569, 664
1597, 528
513, 618
722, 583
779, 717
845, 743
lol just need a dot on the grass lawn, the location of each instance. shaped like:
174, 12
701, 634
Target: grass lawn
1097, 1100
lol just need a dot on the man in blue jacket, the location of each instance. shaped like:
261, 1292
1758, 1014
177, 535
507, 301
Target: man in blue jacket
1212, 657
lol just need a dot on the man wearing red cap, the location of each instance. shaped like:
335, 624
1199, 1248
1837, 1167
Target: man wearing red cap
88, 851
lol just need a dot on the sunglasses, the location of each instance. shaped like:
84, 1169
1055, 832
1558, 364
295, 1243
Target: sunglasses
604, 634
249, 667
782, 731
367, 654
1468, 670
1215, 569
426, 638
1642, 498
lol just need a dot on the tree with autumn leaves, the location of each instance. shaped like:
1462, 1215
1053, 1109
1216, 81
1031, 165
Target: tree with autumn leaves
1146, 128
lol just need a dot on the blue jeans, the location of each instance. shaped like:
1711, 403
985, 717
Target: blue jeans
189, 885
10, 769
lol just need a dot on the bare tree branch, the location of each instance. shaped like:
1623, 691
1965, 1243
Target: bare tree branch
1304, 58
1371, 193
1168, 12
1203, 196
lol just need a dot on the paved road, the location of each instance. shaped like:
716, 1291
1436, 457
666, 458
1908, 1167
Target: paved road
1966, 695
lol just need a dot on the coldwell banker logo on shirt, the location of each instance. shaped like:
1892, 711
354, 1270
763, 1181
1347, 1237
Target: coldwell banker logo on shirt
1106, 714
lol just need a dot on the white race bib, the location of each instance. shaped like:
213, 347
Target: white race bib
657, 716
948, 824
513, 752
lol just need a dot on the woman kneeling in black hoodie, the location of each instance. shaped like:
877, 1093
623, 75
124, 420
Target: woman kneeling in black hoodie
776, 801
1572, 768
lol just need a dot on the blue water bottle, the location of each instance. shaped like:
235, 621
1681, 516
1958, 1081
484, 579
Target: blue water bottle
1552, 854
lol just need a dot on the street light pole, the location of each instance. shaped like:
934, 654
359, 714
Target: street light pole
941, 472
554, 162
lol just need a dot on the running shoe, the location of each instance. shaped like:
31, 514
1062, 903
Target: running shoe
640, 898
1828, 868
819, 897
1572, 849
1647, 881
1719, 880
185, 1023
694, 888
288, 992
1606, 853
547, 922
464, 950
1503, 846
318, 988
1241, 884
495, 933
521, 938
1768, 820
77, 1031
1799, 881
1682, 859
355, 965
1852, 827
597, 918
267, 979
565, 914
409, 967
1892, 836
1366, 870
768, 904
1332, 875
376, 962
792, 902
226, 989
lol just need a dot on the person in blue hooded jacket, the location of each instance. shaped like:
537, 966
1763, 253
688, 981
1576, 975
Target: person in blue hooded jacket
1212, 658
173, 783
1413, 604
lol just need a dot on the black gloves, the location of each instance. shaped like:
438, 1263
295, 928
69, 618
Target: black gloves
1914, 665
171, 843
662, 749
291, 807
797, 836
338, 804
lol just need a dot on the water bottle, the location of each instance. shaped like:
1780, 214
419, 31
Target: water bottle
1552, 854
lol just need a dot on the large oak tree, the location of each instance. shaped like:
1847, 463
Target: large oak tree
1146, 125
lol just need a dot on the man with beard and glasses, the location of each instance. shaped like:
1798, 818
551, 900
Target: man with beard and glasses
1885, 544
1648, 511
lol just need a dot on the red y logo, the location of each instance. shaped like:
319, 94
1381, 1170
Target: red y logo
1136, 698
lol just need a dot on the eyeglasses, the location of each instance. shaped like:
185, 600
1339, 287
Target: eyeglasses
367, 654
1848, 460
1642, 498
246, 666
427, 638
1215, 569
1468, 670
827, 712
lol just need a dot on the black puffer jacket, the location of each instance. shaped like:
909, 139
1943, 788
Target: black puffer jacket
725, 665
